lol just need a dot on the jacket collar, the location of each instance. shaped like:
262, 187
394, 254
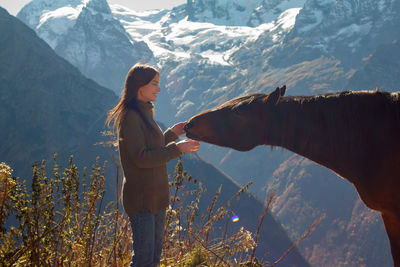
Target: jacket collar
145, 106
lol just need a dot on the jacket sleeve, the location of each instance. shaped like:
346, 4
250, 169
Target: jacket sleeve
133, 139
169, 136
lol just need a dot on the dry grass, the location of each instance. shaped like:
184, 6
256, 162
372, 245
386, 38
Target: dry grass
61, 220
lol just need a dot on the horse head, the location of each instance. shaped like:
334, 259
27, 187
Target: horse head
239, 123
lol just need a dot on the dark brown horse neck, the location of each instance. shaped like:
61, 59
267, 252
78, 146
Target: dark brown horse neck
352, 133
357, 135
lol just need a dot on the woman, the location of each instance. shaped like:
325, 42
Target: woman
144, 151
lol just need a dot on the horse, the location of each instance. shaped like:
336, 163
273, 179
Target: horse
356, 134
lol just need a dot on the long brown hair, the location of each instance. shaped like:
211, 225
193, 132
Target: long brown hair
138, 76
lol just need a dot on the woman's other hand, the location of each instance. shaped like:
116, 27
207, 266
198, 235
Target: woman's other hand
178, 128
188, 146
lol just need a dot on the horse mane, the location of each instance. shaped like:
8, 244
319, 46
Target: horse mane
341, 110
347, 100
247, 99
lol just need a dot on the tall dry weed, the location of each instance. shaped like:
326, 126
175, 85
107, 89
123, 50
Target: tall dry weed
61, 220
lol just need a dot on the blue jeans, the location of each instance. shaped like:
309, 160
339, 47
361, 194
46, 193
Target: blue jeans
147, 236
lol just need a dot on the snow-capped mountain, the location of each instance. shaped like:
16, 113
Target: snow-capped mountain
348, 30
312, 46
328, 43
87, 35
193, 54
173, 34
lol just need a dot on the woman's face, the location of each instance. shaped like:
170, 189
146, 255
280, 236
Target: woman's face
149, 91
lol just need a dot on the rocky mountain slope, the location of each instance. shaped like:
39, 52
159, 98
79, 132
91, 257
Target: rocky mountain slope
311, 191
381, 71
86, 34
237, 13
47, 105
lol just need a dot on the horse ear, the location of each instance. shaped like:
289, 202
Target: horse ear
275, 96
283, 90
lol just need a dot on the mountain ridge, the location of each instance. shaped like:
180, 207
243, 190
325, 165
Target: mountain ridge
39, 83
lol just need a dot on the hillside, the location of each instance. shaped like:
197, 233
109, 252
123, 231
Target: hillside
382, 70
273, 238
311, 191
47, 105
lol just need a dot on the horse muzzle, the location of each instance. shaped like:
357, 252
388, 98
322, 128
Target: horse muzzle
187, 126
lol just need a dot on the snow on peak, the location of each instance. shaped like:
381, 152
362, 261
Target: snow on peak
52, 19
34, 12
210, 35
327, 23
323, 14
31, 13
183, 38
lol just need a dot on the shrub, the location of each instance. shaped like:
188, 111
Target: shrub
60, 220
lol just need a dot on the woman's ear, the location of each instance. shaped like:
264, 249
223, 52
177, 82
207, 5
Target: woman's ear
276, 95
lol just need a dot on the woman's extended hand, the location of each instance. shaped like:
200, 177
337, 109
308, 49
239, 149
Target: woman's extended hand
188, 146
178, 128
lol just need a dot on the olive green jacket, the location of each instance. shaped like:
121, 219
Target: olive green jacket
144, 154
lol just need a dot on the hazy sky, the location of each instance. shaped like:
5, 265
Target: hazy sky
13, 6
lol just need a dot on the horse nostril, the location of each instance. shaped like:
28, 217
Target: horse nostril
188, 126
